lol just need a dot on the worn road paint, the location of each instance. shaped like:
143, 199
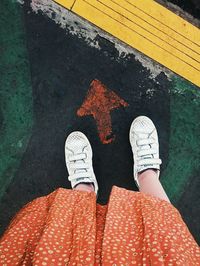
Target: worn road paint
148, 27
99, 102
184, 155
76, 25
67, 3
15, 92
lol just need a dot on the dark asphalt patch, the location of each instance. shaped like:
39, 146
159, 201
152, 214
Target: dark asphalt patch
62, 68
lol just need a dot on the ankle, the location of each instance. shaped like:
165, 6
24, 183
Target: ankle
89, 187
148, 173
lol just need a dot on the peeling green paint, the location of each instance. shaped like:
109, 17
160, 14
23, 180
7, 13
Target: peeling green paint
15, 91
184, 146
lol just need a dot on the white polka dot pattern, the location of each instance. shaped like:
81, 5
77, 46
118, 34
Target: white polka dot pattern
68, 227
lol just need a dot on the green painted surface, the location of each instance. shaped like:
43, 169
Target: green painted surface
15, 91
184, 153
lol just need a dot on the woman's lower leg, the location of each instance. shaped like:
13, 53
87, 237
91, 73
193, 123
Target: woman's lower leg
149, 183
85, 187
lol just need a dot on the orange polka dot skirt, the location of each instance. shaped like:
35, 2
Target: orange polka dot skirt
68, 227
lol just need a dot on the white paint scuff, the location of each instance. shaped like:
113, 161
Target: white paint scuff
83, 29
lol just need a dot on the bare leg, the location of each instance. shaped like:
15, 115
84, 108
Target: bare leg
85, 187
149, 183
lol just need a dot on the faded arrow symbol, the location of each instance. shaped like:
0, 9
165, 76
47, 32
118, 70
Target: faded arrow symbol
99, 102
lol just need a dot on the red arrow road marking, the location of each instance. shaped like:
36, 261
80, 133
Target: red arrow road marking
99, 102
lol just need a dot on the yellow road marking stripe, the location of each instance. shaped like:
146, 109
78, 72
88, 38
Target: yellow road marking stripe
136, 28
66, 3
154, 27
170, 19
160, 24
150, 28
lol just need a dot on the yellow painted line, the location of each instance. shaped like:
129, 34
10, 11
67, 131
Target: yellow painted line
148, 27
66, 3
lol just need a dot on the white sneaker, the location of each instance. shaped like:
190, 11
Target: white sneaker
144, 142
78, 157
